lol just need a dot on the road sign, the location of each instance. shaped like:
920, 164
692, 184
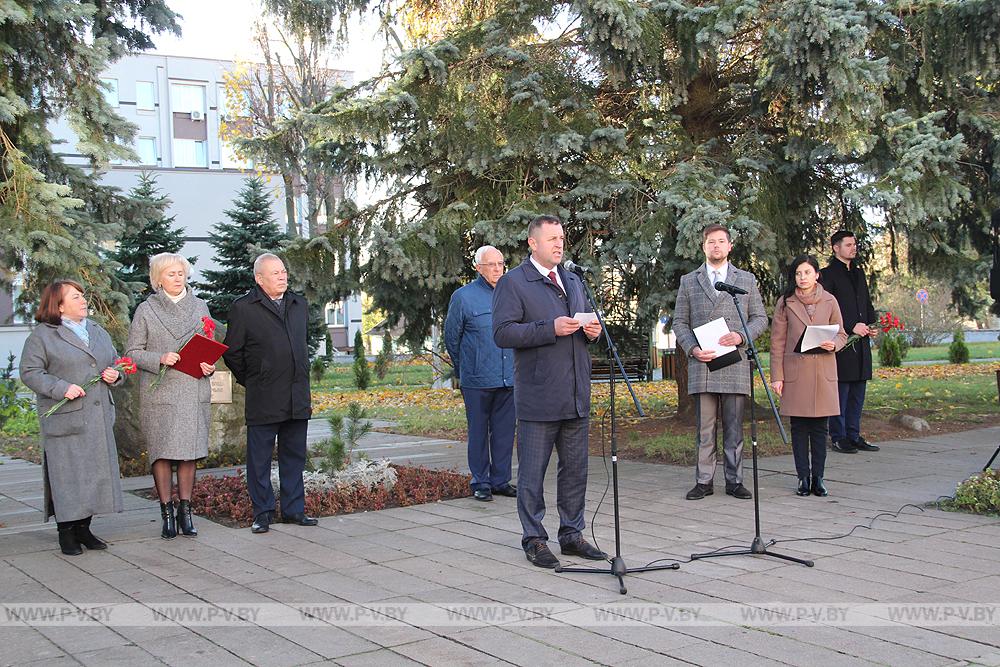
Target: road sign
922, 295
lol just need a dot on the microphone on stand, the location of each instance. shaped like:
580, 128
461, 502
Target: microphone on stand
732, 289
569, 265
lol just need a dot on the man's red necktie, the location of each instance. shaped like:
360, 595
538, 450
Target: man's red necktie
552, 277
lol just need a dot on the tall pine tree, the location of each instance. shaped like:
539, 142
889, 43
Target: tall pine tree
252, 231
54, 216
641, 122
148, 233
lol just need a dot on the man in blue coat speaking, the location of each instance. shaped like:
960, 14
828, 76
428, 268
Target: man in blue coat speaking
533, 312
487, 376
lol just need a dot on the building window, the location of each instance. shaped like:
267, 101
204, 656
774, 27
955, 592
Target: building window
110, 90
190, 153
335, 314
187, 98
229, 158
146, 149
145, 95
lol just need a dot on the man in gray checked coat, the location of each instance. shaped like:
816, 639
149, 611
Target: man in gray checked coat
724, 390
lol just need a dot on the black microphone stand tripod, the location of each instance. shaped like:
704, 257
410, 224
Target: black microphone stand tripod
757, 547
618, 567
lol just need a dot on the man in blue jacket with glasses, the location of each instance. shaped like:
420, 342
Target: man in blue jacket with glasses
486, 373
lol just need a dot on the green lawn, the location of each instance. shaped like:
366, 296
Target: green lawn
940, 352
341, 376
943, 398
930, 353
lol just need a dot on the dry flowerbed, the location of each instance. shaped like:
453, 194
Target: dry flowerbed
226, 501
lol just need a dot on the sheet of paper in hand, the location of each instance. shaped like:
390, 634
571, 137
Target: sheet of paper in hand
708, 336
585, 318
816, 334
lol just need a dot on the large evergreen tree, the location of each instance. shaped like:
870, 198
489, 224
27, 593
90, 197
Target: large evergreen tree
640, 122
149, 232
54, 217
252, 230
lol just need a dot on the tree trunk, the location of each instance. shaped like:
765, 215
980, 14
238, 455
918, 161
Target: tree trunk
291, 224
685, 404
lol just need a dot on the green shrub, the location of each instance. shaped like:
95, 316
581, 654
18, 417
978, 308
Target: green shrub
362, 373
337, 450
958, 351
892, 348
318, 369
23, 423
359, 345
328, 345
979, 494
383, 362
13, 410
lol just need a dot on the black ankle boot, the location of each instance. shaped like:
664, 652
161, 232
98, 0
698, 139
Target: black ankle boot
67, 539
169, 530
185, 523
804, 488
818, 488
87, 538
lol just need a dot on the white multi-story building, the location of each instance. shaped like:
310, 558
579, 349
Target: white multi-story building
178, 104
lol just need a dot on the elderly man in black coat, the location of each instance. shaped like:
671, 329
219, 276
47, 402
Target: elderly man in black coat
533, 309
269, 356
846, 281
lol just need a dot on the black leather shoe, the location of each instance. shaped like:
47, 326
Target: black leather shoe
583, 548
862, 445
818, 488
261, 523
87, 538
68, 543
299, 519
508, 490
844, 447
539, 554
804, 487
169, 529
185, 522
700, 491
738, 491
482, 494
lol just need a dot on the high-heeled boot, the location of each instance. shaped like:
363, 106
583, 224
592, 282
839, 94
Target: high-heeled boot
185, 522
68, 543
819, 489
169, 530
804, 487
87, 538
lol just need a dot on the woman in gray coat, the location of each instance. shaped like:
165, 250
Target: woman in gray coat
176, 414
80, 459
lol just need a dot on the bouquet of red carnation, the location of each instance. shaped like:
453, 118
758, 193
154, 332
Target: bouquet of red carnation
123, 365
888, 322
207, 330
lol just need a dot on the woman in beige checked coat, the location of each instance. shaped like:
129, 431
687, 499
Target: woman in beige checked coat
176, 414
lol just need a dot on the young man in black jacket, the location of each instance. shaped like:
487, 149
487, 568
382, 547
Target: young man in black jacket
846, 281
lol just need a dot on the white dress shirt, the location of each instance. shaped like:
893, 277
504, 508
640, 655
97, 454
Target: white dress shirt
545, 272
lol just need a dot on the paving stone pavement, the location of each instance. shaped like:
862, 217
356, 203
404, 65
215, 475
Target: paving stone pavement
447, 584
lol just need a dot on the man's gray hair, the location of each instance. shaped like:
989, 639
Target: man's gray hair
482, 252
259, 262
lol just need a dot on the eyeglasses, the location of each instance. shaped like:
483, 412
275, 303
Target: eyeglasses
493, 265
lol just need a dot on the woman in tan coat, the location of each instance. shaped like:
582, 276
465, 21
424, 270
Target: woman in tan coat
807, 382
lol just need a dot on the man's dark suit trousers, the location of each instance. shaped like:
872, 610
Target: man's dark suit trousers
291, 438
